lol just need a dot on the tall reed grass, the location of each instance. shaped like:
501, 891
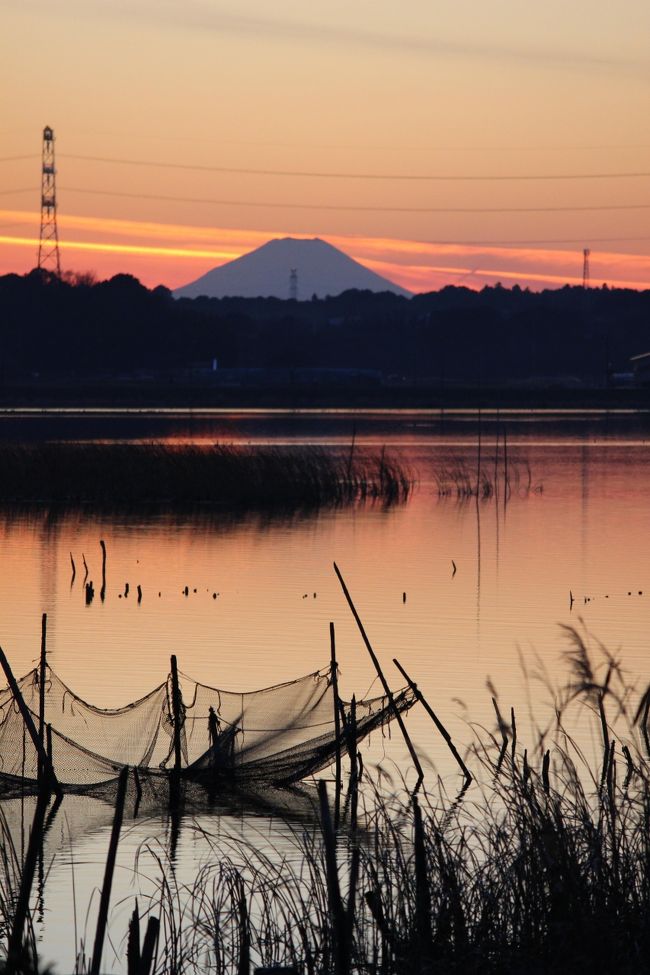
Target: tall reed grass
541, 865
461, 482
236, 477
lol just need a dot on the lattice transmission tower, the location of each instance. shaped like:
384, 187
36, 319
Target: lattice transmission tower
293, 284
585, 267
48, 244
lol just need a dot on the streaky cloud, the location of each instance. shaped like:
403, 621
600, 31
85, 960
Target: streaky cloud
206, 16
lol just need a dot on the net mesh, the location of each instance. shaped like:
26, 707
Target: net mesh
279, 734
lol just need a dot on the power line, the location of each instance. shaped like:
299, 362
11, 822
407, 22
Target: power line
32, 155
367, 176
356, 208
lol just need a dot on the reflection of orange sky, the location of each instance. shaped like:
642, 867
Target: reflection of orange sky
510, 590
174, 254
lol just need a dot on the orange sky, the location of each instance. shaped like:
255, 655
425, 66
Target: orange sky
420, 134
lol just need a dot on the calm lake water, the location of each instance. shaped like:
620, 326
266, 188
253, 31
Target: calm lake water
577, 522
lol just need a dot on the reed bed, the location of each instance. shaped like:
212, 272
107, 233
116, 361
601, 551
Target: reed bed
462, 483
125, 475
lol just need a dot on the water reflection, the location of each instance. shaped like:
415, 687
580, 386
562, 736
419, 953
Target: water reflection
516, 562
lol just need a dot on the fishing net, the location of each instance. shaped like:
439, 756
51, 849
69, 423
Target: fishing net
277, 735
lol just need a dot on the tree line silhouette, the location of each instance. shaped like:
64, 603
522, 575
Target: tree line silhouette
78, 328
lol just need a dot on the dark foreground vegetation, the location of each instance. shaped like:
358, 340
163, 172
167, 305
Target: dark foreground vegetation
125, 475
77, 329
540, 864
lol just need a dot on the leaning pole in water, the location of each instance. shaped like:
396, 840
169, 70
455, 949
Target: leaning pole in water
51, 779
384, 682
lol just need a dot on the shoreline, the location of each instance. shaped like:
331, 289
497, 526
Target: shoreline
48, 397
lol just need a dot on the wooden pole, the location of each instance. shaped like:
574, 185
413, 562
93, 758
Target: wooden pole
41, 694
102, 917
176, 708
15, 958
337, 726
337, 914
102, 593
434, 717
149, 946
354, 763
384, 683
29, 723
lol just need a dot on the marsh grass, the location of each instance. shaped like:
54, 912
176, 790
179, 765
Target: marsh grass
541, 865
462, 483
125, 475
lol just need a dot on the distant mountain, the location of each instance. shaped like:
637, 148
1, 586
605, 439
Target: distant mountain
321, 269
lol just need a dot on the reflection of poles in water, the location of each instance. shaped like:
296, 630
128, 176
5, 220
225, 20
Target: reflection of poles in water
104, 900
51, 816
15, 948
175, 813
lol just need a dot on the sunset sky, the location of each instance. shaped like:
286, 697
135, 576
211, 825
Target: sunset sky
411, 135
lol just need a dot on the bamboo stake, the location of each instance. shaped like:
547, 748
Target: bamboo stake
354, 763
384, 683
438, 723
29, 723
138, 792
176, 708
108, 873
422, 892
337, 913
133, 943
149, 946
102, 592
337, 726
244, 960
41, 695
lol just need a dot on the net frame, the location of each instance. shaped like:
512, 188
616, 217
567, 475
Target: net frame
276, 735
